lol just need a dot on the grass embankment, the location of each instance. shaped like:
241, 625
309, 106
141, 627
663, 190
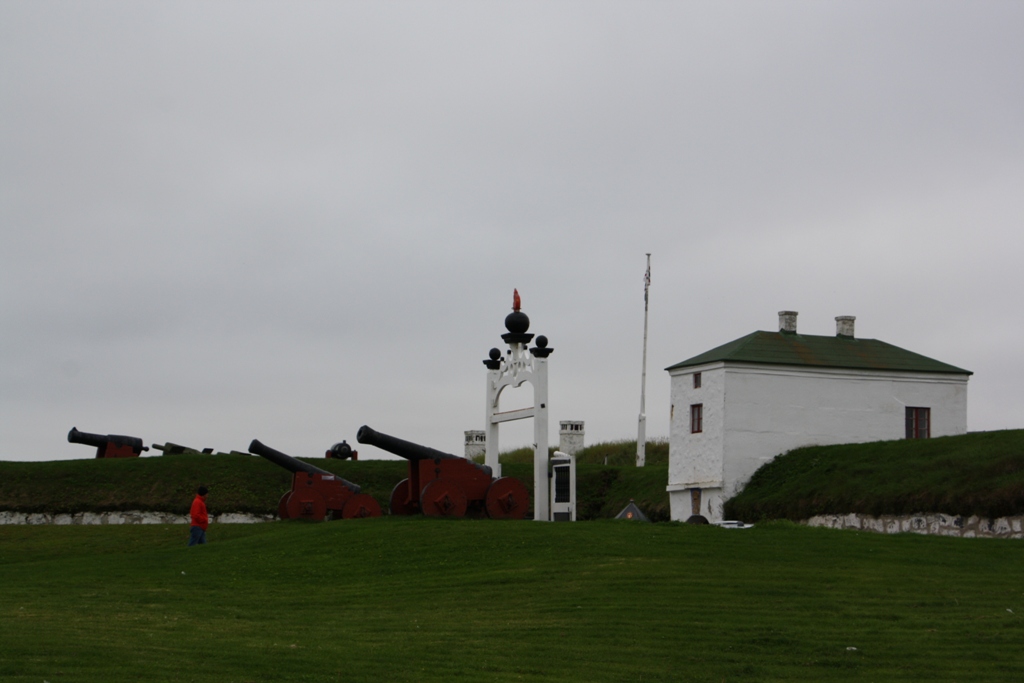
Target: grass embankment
237, 483
240, 483
975, 474
614, 453
413, 599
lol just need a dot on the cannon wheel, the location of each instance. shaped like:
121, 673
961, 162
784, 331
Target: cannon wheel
307, 505
507, 498
402, 503
282, 506
360, 505
443, 498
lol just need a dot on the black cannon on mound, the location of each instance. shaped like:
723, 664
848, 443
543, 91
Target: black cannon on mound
316, 493
444, 485
109, 445
341, 451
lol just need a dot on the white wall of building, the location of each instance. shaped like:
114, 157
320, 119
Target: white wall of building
753, 413
703, 464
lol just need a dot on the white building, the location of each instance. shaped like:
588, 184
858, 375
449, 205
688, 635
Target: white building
739, 405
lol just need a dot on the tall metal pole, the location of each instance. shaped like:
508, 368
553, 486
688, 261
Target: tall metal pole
641, 435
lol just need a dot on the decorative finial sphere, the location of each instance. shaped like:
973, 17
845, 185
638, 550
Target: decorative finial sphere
542, 342
495, 354
517, 322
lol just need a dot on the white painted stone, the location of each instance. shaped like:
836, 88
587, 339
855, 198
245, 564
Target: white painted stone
571, 436
129, 517
242, 518
475, 443
935, 524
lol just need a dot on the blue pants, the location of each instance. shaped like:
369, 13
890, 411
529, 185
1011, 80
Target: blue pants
196, 536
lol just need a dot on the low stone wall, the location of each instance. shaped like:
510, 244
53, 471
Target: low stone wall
932, 524
129, 517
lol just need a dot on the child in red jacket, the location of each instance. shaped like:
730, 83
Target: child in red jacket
197, 534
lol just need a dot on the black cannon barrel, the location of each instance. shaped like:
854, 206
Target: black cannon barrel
293, 465
98, 440
413, 452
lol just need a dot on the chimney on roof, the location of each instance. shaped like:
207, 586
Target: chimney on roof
844, 325
787, 321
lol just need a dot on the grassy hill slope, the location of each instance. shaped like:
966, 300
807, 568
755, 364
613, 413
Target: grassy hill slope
980, 474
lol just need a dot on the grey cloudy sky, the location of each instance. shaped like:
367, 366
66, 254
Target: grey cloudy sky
276, 220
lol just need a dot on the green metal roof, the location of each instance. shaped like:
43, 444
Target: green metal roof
806, 350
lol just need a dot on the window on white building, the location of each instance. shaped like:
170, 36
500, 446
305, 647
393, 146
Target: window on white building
696, 418
919, 423
696, 380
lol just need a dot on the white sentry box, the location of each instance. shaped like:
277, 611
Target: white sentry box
563, 487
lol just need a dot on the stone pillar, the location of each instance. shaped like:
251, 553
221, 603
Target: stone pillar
844, 325
570, 436
476, 443
787, 321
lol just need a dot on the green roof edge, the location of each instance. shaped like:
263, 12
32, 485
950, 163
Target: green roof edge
799, 350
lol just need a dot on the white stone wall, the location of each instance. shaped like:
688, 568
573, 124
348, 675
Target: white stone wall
128, 517
697, 459
753, 413
681, 503
931, 524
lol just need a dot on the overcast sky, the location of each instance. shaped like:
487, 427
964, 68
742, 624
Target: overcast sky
277, 220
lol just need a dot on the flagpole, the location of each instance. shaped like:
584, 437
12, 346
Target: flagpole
641, 435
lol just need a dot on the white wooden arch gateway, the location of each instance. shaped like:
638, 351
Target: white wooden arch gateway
518, 366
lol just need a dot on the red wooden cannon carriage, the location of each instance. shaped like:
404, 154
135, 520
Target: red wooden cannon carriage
317, 494
444, 485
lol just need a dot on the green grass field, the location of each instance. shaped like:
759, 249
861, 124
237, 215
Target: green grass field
413, 599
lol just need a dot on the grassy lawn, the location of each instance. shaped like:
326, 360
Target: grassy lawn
413, 599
